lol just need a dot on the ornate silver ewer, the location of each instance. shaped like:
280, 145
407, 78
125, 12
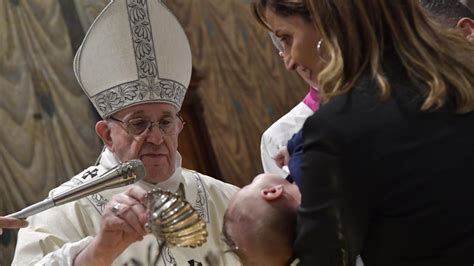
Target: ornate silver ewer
173, 221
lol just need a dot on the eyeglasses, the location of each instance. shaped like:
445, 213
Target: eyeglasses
231, 245
277, 43
137, 126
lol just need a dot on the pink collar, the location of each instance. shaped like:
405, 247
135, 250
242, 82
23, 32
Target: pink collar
311, 99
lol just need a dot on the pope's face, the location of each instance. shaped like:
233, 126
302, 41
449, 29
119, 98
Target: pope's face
156, 149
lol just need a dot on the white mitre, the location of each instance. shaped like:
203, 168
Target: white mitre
135, 52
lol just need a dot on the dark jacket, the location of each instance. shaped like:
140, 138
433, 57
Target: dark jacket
386, 180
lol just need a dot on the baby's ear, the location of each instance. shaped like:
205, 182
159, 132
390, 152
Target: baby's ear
466, 25
272, 193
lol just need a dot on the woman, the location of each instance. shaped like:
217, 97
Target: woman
388, 159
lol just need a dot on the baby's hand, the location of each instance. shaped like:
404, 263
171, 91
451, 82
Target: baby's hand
282, 157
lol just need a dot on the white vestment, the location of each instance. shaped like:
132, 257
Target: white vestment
278, 134
56, 236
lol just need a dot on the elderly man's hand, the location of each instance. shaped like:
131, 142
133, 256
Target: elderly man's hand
122, 224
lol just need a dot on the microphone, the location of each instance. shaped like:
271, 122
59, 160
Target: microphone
121, 175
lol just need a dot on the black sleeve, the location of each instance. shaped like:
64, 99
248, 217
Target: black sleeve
331, 219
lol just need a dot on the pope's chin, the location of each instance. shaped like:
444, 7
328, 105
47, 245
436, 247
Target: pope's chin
156, 174
157, 169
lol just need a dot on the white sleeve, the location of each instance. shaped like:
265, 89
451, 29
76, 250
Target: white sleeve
279, 133
57, 235
268, 148
66, 254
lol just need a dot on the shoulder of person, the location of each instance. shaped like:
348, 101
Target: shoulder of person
361, 115
345, 115
351, 115
363, 103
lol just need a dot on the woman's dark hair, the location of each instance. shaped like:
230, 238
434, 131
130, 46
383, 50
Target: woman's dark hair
284, 8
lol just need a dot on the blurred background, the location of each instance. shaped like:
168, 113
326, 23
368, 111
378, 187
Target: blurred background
239, 87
